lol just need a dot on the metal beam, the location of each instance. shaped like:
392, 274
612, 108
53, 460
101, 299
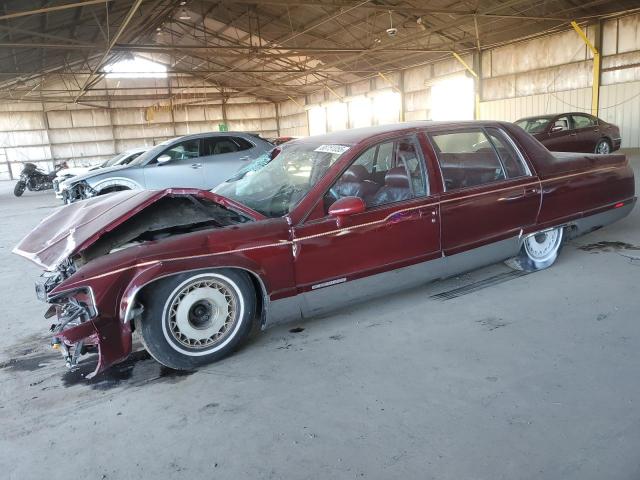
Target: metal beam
51, 9
114, 39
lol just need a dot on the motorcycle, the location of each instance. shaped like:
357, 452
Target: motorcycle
35, 180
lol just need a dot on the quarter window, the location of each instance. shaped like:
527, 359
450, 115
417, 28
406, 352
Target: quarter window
511, 161
242, 143
467, 159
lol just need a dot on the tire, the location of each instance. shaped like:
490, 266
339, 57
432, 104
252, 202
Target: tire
197, 318
539, 250
603, 146
18, 190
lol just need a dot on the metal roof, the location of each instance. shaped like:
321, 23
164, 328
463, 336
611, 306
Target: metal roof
273, 49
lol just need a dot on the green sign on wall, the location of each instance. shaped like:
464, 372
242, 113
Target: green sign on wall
222, 127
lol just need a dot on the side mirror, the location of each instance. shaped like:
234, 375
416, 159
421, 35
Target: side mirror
557, 128
346, 206
162, 159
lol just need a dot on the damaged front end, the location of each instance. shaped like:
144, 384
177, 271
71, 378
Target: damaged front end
73, 332
77, 191
93, 250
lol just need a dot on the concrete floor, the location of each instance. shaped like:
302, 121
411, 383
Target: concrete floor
517, 377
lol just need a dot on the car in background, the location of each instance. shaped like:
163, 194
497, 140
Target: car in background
123, 158
201, 160
573, 132
281, 140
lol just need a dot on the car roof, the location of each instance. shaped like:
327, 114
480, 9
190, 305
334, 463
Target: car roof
357, 135
554, 115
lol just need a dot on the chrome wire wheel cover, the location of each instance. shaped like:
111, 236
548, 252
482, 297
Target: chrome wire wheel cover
603, 147
543, 246
202, 313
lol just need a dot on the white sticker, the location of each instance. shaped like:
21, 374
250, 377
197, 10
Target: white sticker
337, 149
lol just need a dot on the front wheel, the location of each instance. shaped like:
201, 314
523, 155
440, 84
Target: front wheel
193, 319
18, 190
603, 147
539, 250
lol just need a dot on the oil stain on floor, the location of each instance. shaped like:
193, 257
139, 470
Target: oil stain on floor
606, 246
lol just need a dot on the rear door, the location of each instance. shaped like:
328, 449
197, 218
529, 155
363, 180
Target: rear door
489, 192
223, 156
587, 133
185, 169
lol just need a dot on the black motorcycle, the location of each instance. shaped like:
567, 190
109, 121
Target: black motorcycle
35, 180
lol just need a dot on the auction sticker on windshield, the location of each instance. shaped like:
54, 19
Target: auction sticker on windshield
336, 149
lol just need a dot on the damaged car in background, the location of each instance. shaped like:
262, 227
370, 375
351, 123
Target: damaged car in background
330, 220
202, 160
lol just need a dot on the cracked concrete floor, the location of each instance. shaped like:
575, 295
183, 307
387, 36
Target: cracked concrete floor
532, 376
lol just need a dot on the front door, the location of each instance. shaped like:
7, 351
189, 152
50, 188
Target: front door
399, 228
185, 169
490, 194
561, 136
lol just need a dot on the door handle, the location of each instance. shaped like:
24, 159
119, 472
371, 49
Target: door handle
512, 197
573, 134
196, 165
244, 158
400, 216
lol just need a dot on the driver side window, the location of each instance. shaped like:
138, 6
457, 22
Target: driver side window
385, 173
184, 150
562, 124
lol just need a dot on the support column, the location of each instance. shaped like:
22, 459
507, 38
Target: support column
595, 50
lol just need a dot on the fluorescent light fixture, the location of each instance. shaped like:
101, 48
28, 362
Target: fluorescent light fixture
184, 15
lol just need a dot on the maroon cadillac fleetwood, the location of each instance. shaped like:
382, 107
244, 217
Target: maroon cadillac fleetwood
329, 220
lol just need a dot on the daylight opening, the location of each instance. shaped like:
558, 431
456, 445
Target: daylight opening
136, 67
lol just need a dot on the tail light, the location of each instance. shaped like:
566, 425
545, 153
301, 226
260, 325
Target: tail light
274, 153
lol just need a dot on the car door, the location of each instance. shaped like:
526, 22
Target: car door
587, 133
184, 169
560, 135
223, 156
489, 193
399, 227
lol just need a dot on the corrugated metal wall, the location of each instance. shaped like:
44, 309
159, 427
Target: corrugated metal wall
556, 76
44, 133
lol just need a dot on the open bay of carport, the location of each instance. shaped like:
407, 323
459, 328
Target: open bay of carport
488, 375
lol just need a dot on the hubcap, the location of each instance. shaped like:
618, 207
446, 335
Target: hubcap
603, 147
543, 245
202, 313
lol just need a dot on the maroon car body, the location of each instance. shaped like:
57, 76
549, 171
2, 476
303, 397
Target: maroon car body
315, 257
573, 132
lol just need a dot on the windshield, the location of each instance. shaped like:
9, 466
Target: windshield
274, 187
534, 125
112, 161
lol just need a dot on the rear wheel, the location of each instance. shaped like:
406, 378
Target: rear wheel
18, 190
603, 146
539, 250
197, 318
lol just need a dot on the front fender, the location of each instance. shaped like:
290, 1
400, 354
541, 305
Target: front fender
164, 269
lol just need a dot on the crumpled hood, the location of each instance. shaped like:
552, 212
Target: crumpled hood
72, 228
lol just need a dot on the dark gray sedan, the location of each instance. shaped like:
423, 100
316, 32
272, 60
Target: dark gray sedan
202, 160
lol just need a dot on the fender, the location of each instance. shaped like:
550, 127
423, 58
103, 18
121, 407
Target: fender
117, 182
167, 268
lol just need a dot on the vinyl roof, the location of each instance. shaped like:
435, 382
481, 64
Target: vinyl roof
272, 49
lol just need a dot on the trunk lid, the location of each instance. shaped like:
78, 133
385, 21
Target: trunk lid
72, 228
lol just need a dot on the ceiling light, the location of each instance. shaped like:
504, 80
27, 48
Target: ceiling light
184, 15
183, 3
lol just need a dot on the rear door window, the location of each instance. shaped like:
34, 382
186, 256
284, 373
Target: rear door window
219, 146
583, 121
467, 159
